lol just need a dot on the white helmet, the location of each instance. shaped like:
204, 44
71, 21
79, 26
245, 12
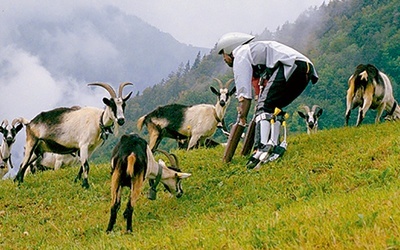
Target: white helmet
228, 42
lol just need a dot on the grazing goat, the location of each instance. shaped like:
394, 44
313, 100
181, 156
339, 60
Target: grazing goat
54, 161
370, 88
195, 123
311, 117
9, 134
73, 131
131, 163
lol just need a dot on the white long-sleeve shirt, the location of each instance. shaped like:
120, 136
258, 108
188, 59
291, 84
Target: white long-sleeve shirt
268, 53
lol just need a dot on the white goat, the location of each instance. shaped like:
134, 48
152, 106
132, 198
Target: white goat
370, 88
54, 161
311, 117
9, 134
195, 123
73, 131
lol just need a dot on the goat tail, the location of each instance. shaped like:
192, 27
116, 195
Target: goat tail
130, 164
140, 122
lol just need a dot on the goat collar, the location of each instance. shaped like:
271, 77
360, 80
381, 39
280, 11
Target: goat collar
104, 130
154, 182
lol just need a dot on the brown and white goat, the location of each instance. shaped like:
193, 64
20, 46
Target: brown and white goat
9, 134
370, 88
194, 123
73, 130
132, 162
311, 117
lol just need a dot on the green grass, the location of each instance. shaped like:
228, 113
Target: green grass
338, 189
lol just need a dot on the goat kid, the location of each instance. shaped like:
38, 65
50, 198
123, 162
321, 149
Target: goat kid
311, 117
54, 161
73, 130
131, 163
370, 88
194, 123
9, 134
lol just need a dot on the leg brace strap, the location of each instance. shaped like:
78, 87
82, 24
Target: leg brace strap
264, 116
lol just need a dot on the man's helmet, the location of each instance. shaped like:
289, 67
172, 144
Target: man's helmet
228, 42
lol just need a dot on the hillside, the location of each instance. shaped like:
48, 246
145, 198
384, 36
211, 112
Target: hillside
337, 189
336, 36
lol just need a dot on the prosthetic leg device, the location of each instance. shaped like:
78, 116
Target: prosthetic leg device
278, 150
268, 128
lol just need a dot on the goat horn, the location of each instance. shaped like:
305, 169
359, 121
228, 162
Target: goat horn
170, 158
106, 86
315, 107
121, 87
15, 121
228, 83
5, 123
306, 108
221, 85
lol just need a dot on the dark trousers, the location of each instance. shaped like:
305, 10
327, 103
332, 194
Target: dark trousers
278, 93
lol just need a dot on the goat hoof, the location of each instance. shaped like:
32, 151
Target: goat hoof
85, 184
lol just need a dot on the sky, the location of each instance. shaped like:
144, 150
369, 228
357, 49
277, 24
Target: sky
201, 23
28, 85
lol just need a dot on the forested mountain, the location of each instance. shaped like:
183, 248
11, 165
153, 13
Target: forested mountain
336, 36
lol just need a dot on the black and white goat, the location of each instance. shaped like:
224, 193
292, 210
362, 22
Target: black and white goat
73, 130
194, 123
9, 134
370, 88
132, 162
311, 117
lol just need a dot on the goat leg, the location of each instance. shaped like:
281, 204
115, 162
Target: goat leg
113, 216
128, 216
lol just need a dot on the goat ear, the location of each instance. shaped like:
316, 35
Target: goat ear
18, 127
319, 113
106, 101
233, 90
301, 114
183, 175
214, 90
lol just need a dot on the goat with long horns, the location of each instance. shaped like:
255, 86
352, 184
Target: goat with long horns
73, 130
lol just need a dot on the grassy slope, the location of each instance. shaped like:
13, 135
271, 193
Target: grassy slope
336, 189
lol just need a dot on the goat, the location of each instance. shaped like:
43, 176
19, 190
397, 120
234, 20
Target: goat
195, 123
370, 88
132, 162
9, 135
311, 117
54, 161
73, 130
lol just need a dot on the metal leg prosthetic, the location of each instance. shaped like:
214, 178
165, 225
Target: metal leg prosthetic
268, 129
280, 149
